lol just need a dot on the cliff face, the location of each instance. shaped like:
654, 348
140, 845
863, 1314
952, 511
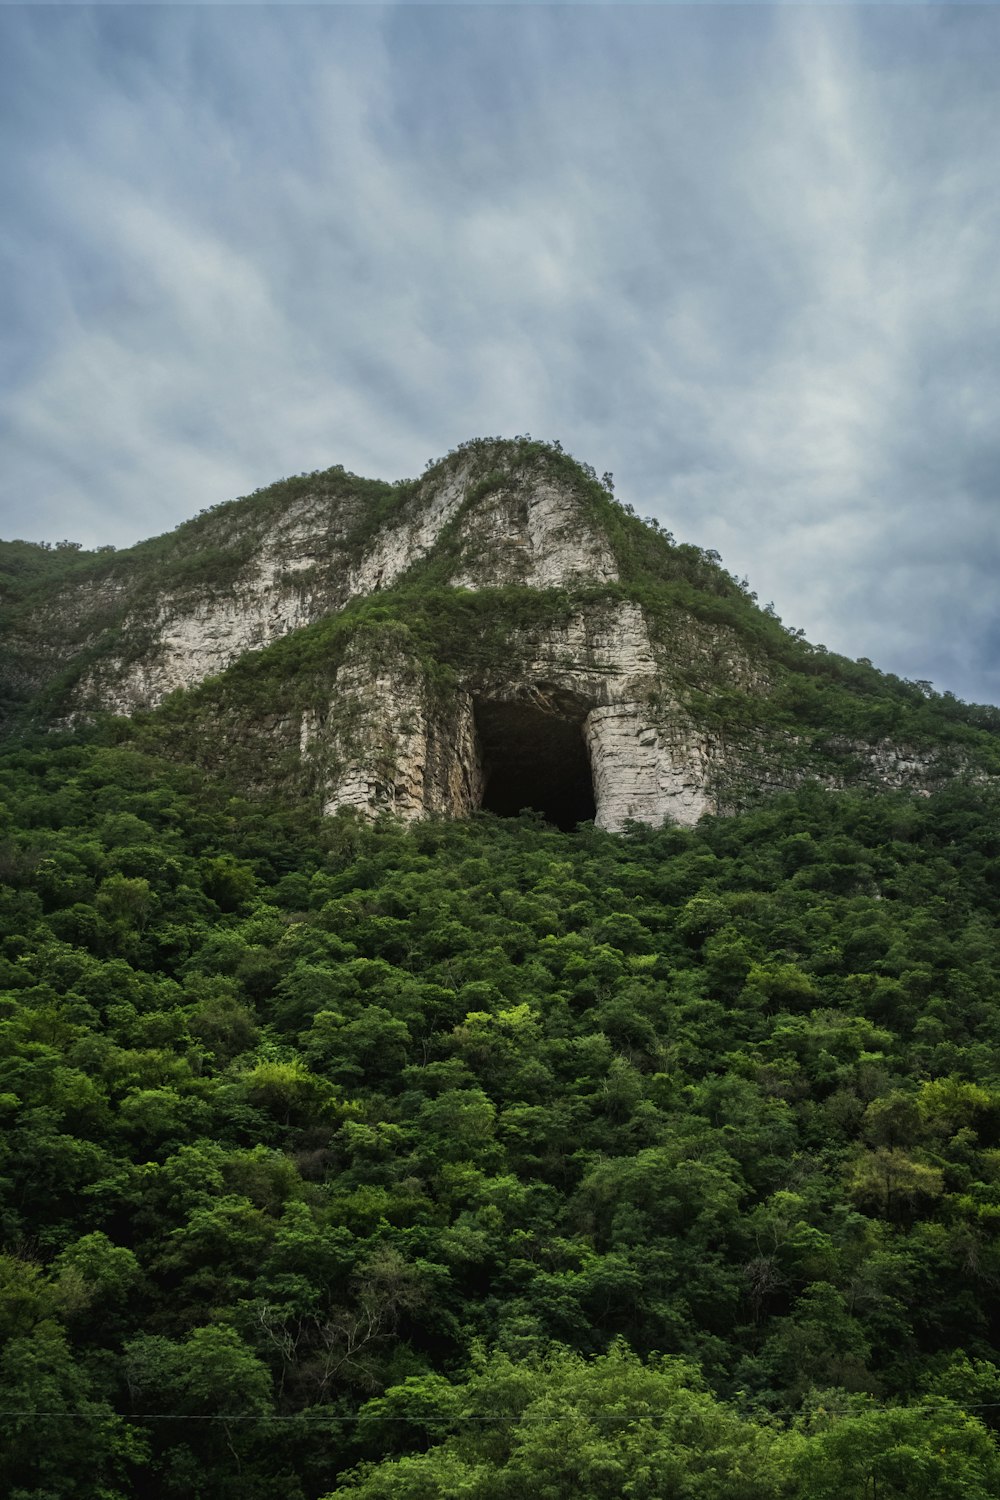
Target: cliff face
299, 565
497, 634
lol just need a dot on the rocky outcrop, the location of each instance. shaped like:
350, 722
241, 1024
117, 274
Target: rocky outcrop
383, 743
582, 701
303, 568
596, 677
649, 769
536, 539
300, 571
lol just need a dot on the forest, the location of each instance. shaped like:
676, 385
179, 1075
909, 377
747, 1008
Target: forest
480, 1159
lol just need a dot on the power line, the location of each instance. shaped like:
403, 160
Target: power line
316, 1415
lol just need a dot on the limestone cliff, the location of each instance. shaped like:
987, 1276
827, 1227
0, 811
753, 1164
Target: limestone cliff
499, 633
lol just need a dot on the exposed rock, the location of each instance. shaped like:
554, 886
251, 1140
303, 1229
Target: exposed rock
200, 635
606, 703
539, 540
646, 772
380, 745
385, 744
539, 536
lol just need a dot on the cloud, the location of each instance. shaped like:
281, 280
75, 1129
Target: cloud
743, 258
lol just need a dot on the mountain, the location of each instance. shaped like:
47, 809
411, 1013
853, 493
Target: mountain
500, 633
426, 1155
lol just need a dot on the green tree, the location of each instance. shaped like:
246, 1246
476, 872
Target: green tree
903, 1454
59, 1437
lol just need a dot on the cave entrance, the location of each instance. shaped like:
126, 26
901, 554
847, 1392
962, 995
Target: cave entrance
536, 757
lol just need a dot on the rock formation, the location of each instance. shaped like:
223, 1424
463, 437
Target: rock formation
498, 634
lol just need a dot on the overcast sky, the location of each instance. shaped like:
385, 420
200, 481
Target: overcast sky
747, 258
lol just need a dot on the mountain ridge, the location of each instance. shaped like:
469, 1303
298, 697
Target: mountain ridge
689, 698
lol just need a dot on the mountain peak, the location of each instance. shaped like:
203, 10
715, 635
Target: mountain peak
498, 633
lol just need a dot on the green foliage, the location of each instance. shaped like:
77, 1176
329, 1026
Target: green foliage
481, 1159
900, 1455
564, 1426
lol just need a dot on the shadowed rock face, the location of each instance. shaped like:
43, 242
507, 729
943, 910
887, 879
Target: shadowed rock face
538, 759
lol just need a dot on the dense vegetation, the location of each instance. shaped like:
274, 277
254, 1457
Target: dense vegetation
482, 1160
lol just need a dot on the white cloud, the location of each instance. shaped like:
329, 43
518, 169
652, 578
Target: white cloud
744, 259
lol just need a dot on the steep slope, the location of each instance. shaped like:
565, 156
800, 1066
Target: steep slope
134, 625
499, 633
467, 1149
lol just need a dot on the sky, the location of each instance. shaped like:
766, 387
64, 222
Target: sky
743, 257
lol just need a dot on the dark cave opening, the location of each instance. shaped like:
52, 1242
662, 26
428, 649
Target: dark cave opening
538, 759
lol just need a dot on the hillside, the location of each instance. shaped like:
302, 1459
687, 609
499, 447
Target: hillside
462, 641
479, 1158
483, 1150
